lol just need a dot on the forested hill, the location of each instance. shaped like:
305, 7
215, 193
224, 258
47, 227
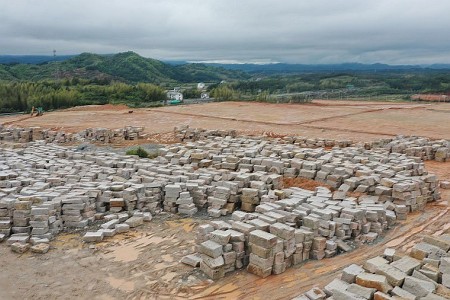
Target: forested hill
126, 67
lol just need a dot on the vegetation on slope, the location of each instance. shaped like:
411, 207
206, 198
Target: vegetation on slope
127, 67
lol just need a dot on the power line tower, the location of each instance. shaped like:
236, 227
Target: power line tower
57, 67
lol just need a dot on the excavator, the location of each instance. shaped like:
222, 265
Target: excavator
39, 111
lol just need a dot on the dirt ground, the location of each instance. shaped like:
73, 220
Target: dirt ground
361, 121
144, 263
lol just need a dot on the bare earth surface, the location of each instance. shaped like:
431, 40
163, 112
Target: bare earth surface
144, 264
360, 121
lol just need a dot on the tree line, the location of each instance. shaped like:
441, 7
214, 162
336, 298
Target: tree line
22, 96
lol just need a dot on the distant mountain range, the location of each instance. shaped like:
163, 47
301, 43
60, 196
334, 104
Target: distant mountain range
126, 67
283, 68
131, 67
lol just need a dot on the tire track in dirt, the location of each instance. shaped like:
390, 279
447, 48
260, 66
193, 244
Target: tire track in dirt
301, 124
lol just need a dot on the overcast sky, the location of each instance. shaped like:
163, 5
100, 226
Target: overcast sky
295, 31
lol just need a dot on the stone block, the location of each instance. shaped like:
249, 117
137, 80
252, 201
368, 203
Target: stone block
211, 249
20, 247
315, 294
214, 274
335, 285
191, 260
134, 221
40, 248
108, 232
110, 224
282, 231
349, 273
18, 238
258, 271
212, 262
399, 292
221, 237
373, 264
121, 228
262, 239
93, 236
418, 287
364, 292
394, 276
375, 281
407, 264
263, 263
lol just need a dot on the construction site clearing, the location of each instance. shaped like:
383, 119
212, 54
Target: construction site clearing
241, 201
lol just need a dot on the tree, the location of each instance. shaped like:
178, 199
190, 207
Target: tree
223, 93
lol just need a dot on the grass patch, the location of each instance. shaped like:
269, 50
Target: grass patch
142, 153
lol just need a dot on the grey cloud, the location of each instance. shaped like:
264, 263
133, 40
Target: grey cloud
320, 31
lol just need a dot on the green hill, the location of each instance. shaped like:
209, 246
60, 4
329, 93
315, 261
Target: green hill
126, 67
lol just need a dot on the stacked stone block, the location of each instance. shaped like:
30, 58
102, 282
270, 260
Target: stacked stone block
172, 193
102, 135
186, 204
218, 202
21, 217
73, 209
423, 274
299, 225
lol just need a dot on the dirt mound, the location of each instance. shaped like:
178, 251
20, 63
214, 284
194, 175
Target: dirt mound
304, 183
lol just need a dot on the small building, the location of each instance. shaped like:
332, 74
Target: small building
174, 95
204, 95
431, 97
201, 86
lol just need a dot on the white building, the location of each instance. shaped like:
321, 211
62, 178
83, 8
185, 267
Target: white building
204, 96
174, 95
201, 86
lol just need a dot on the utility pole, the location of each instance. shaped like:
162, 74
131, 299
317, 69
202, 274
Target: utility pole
57, 69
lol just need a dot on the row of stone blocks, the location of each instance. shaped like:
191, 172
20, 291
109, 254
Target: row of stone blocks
101, 135
185, 133
423, 148
423, 274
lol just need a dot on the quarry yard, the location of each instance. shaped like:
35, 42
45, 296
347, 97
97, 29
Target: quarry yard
144, 262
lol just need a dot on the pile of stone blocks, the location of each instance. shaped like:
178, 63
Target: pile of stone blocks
186, 204
186, 133
172, 194
216, 254
97, 135
423, 274
318, 142
295, 225
72, 209
267, 253
117, 223
105, 135
221, 174
423, 148
250, 199
217, 202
